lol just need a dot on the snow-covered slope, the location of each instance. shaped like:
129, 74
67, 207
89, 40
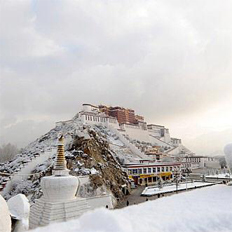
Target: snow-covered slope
203, 210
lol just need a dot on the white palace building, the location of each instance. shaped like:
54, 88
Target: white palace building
156, 135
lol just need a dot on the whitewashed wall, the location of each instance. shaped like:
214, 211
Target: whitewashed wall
100, 201
136, 133
107, 121
154, 140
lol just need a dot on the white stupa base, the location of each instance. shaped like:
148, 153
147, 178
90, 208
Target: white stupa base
58, 202
43, 212
59, 188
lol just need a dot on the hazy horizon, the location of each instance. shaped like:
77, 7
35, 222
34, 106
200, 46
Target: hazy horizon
170, 61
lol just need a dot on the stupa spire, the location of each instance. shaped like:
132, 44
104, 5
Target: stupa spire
60, 168
60, 160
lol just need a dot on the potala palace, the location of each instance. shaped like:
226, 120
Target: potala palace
152, 144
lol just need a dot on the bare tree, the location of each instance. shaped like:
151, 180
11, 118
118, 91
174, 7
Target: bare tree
8, 152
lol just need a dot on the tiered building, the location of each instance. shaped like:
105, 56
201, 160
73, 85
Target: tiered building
123, 115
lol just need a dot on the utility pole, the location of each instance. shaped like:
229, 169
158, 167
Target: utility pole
176, 174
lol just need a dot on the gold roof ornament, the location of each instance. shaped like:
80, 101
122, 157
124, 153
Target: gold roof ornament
60, 168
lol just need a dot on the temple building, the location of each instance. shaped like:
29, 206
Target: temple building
92, 115
123, 115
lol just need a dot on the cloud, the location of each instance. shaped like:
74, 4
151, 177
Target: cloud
24, 132
169, 61
211, 143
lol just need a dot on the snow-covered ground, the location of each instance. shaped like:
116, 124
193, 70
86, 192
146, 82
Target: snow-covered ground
151, 191
204, 210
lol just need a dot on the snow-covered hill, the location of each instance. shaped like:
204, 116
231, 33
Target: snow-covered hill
87, 152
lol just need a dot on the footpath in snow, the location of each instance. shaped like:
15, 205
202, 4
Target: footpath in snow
203, 210
151, 191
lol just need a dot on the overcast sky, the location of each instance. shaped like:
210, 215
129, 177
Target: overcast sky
170, 60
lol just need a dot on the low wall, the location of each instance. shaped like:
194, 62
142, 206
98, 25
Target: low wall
100, 201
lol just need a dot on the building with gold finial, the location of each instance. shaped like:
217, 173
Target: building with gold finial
59, 201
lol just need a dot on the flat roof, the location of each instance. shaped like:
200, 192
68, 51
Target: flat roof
155, 125
86, 104
97, 114
151, 164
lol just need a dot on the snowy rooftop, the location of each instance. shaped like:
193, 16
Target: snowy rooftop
153, 190
207, 210
220, 176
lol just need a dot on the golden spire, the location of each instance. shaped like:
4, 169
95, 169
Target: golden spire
60, 159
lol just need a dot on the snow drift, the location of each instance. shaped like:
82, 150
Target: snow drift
208, 210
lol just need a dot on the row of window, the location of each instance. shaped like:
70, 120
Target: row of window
149, 170
99, 119
176, 141
188, 165
195, 160
153, 179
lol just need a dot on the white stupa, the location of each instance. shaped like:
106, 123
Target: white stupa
5, 220
59, 201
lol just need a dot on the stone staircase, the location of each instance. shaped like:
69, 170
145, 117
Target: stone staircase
128, 144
